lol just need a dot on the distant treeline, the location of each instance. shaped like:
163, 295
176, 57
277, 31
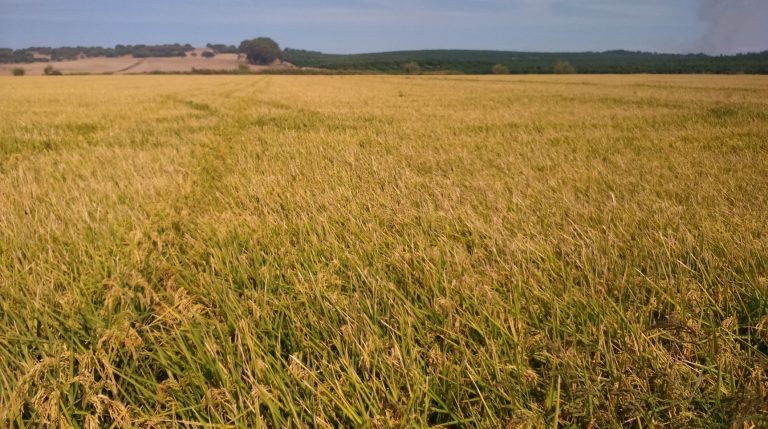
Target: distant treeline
222, 49
76, 52
483, 62
438, 61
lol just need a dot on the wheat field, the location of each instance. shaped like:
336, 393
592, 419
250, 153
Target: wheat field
384, 252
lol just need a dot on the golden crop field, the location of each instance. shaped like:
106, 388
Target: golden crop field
350, 251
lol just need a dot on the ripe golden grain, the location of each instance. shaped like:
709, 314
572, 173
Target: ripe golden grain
275, 251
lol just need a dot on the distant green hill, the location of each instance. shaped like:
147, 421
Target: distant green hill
480, 62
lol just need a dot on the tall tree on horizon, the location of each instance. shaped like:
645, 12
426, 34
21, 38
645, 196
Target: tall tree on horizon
261, 51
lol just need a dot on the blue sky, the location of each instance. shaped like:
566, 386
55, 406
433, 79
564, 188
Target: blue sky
346, 26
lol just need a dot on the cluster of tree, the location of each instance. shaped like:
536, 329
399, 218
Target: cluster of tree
483, 62
50, 71
500, 69
261, 51
76, 52
8, 56
144, 51
564, 67
222, 49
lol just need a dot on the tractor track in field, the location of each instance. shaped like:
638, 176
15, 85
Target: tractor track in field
132, 66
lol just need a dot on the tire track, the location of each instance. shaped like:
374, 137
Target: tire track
134, 65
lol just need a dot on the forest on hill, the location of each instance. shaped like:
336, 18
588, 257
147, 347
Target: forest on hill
483, 62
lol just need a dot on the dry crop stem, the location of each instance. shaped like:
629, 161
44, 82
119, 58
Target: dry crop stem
384, 251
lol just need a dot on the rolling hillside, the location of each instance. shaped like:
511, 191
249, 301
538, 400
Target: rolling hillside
192, 59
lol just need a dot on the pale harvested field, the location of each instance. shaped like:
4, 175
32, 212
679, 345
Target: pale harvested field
275, 251
129, 65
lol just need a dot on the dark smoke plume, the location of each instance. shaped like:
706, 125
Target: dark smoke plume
733, 26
